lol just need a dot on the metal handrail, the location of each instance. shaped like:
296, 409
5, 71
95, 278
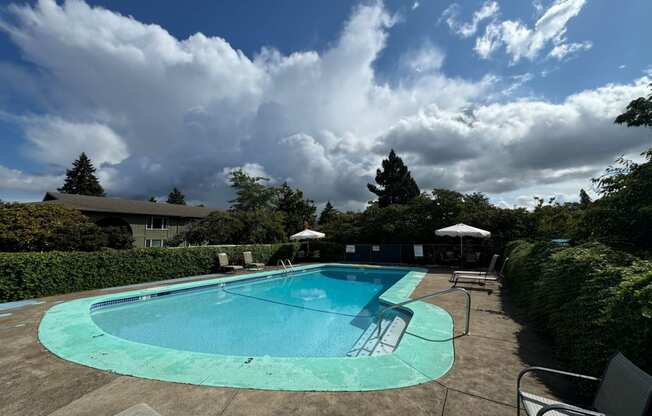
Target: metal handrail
430, 295
282, 263
290, 264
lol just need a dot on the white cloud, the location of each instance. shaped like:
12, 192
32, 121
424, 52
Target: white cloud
504, 147
488, 10
517, 81
563, 50
155, 112
486, 44
521, 41
538, 8
415, 5
251, 169
58, 142
426, 59
14, 179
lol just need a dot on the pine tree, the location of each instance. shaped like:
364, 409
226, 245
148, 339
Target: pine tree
81, 179
396, 183
327, 213
176, 197
585, 199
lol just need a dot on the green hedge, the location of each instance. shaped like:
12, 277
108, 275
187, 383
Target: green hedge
32, 275
590, 299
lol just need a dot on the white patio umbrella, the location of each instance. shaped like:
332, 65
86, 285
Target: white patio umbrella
462, 230
307, 235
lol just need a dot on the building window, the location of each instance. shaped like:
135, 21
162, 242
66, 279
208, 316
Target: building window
154, 243
156, 223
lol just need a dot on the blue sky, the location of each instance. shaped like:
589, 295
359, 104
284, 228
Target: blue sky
513, 99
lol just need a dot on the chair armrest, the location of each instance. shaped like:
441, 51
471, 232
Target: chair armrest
468, 272
569, 408
551, 371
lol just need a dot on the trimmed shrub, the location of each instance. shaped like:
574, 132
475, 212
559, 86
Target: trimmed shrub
590, 299
31, 275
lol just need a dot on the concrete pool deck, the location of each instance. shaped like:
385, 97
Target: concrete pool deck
482, 381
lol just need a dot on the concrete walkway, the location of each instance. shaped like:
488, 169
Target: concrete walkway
482, 381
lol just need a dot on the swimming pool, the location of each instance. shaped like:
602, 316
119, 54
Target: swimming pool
312, 329
326, 312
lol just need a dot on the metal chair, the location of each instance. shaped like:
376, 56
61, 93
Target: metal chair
624, 390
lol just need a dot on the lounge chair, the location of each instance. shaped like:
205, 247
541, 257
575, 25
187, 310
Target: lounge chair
223, 261
479, 276
624, 390
249, 261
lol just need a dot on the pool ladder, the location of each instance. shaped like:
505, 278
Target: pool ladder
287, 264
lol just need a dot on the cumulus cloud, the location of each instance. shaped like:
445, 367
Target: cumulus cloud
14, 179
521, 41
154, 111
55, 141
503, 147
488, 10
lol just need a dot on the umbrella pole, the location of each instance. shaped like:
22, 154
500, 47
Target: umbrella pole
461, 252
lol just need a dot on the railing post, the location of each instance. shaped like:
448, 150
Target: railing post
468, 312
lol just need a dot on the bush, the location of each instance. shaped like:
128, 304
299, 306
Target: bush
30, 227
117, 237
590, 299
31, 275
47, 227
77, 237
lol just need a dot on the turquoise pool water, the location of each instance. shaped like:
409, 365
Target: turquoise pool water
327, 312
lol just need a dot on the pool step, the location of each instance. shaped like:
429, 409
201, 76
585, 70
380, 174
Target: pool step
391, 337
368, 344
367, 341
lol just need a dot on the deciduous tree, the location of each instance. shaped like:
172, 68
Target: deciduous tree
251, 191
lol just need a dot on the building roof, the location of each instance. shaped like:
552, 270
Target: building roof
125, 206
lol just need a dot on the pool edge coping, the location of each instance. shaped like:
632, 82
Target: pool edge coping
415, 361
